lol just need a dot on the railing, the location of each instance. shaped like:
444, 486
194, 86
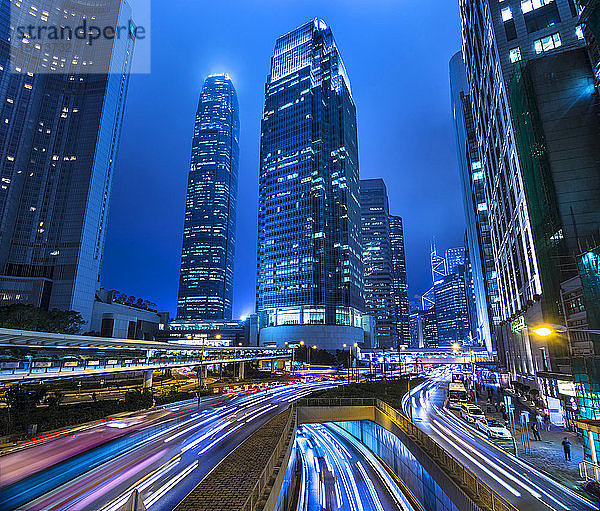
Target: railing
267, 473
28, 368
589, 471
480, 492
338, 401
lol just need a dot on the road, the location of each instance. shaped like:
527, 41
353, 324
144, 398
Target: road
164, 454
338, 473
518, 482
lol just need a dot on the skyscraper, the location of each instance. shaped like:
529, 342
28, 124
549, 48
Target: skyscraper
60, 130
538, 138
399, 281
377, 261
207, 257
309, 270
452, 315
455, 257
478, 233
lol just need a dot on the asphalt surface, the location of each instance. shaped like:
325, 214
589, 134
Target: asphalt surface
163, 453
518, 482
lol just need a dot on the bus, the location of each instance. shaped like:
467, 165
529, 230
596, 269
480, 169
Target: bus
457, 395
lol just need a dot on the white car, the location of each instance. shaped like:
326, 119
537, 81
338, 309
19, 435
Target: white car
493, 428
471, 413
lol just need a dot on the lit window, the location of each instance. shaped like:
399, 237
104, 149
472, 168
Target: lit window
515, 55
579, 32
547, 43
530, 5
506, 14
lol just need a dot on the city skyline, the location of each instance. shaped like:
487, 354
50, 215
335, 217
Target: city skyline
164, 292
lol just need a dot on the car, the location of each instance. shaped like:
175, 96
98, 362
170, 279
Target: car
471, 413
493, 428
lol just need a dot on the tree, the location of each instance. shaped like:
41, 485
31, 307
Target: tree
28, 317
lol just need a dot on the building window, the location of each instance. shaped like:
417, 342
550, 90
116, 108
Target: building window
506, 14
579, 32
547, 43
515, 55
543, 15
510, 30
531, 5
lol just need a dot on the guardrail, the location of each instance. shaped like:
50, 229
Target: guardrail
337, 401
477, 490
589, 471
267, 473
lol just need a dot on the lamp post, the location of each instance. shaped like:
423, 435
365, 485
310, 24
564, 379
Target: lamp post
355, 373
345, 346
549, 329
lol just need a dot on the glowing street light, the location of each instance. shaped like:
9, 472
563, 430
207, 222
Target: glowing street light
543, 331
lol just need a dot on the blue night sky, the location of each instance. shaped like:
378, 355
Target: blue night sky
396, 53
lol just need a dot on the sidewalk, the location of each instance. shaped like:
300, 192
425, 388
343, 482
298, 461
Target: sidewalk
546, 455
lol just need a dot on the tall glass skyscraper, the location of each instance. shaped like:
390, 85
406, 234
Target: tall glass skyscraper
59, 135
206, 276
309, 266
399, 281
377, 261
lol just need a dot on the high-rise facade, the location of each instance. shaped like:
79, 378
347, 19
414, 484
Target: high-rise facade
455, 257
451, 309
309, 269
478, 232
377, 261
207, 257
399, 280
535, 114
60, 130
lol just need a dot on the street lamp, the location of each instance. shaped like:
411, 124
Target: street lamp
355, 373
345, 345
314, 348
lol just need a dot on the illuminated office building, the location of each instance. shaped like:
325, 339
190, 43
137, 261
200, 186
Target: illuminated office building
309, 269
206, 277
535, 114
455, 257
59, 136
377, 261
399, 281
451, 309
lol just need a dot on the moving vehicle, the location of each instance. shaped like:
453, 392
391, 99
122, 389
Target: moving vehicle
471, 413
493, 428
457, 395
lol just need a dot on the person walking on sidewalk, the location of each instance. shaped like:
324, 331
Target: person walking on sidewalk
536, 431
567, 448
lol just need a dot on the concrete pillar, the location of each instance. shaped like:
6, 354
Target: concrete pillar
221, 370
273, 362
242, 370
148, 379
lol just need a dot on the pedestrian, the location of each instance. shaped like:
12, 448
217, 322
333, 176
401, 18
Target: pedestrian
504, 416
540, 421
94, 397
496, 406
567, 448
547, 421
536, 431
